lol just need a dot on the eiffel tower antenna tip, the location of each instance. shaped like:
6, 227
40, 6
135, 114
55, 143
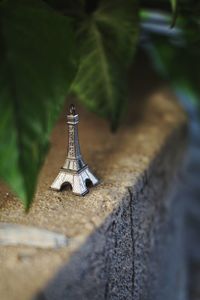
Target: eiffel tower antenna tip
72, 109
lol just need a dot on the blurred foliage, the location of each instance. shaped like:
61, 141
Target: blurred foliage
51, 47
176, 55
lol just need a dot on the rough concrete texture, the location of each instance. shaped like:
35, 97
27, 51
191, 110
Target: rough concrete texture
190, 194
125, 235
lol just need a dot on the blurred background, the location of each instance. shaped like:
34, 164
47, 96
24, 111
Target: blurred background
174, 53
86, 48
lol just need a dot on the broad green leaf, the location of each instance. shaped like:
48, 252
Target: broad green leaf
107, 41
37, 65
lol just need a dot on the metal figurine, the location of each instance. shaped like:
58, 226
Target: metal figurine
75, 171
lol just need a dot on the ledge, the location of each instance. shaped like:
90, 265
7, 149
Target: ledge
115, 230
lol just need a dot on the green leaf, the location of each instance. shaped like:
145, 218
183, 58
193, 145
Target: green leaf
173, 5
37, 66
174, 11
107, 42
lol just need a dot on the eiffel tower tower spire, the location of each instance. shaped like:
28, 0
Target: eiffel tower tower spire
74, 171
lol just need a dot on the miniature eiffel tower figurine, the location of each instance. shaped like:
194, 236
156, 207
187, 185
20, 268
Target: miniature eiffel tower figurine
75, 171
